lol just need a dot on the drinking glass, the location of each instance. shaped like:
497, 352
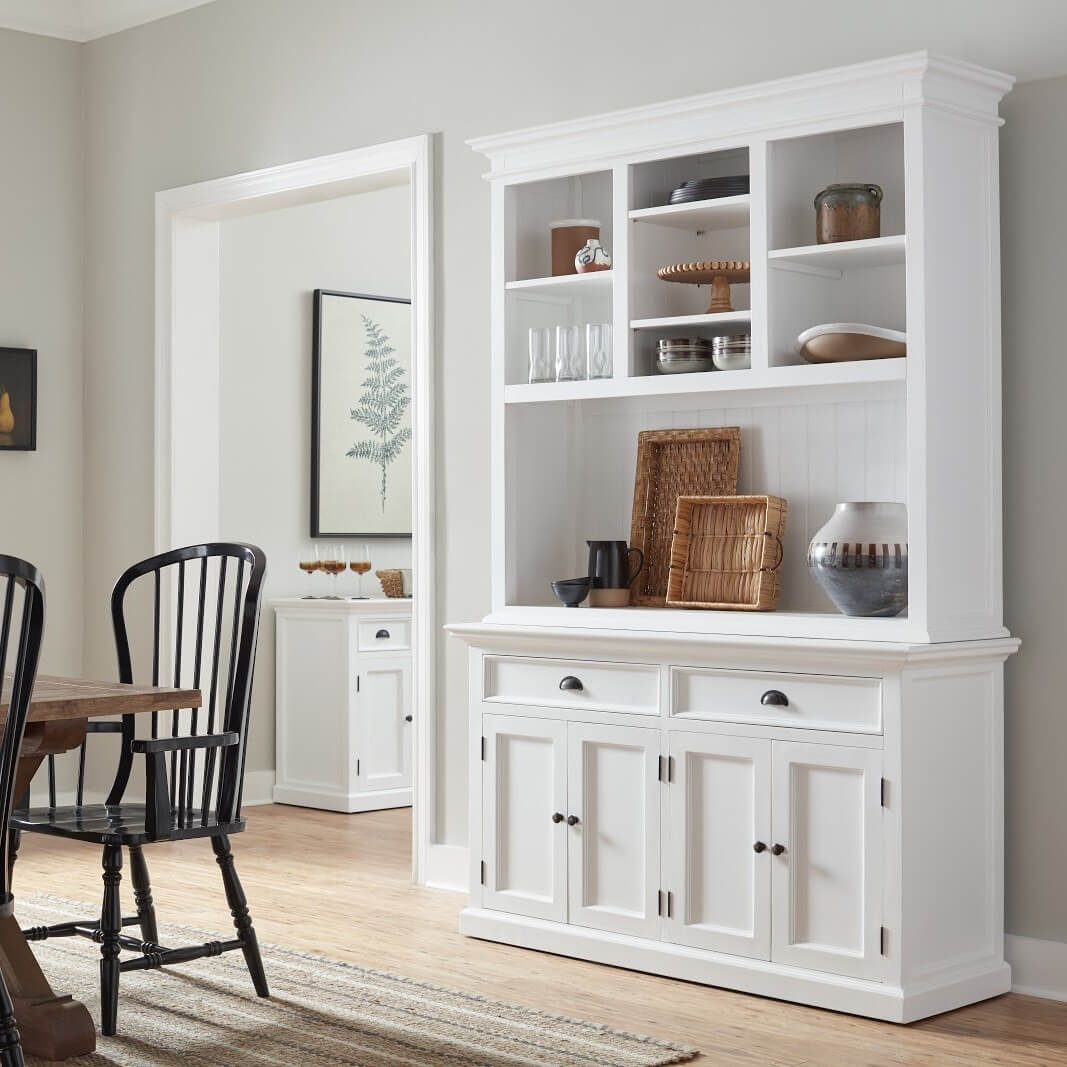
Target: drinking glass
598, 349
360, 564
541, 355
570, 367
333, 565
309, 563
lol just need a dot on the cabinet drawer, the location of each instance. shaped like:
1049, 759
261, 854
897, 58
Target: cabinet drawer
383, 634
579, 684
811, 701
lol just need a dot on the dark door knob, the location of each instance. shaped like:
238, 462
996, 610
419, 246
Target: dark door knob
407, 718
777, 850
572, 683
759, 846
557, 816
775, 697
382, 635
572, 820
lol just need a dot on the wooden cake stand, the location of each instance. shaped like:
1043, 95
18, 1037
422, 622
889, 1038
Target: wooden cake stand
718, 273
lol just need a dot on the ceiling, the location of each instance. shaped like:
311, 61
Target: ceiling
85, 20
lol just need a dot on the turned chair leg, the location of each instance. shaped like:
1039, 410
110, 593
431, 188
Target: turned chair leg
142, 895
110, 929
242, 921
14, 839
10, 1045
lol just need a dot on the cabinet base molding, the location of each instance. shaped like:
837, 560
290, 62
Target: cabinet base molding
343, 802
872, 999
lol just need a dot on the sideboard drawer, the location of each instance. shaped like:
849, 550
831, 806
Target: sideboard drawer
811, 701
384, 634
564, 683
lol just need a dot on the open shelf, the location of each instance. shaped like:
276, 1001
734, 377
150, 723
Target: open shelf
563, 284
834, 259
813, 375
722, 318
726, 213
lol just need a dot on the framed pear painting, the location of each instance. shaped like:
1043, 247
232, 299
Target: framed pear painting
18, 400
361, 416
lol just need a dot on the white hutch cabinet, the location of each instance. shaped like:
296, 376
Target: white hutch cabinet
343, 703
633, 799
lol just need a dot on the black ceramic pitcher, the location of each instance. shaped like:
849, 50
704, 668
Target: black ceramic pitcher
609, 564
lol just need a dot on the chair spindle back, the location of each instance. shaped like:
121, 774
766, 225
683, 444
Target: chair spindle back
21, 632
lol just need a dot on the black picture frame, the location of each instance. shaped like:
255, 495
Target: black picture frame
18, 384
316, 413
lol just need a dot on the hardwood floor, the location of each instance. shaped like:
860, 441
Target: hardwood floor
339, 885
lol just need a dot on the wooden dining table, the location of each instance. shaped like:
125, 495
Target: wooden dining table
54, 1026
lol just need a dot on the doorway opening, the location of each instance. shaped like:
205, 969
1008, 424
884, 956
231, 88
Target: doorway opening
208, 284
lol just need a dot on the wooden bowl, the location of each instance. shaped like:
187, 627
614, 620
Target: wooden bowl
844, 342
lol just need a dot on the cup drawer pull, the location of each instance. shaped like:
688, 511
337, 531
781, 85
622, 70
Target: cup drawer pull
383, 635
572, 684
776, 698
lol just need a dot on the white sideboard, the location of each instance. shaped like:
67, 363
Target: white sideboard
818, 821
797, 802
343, 703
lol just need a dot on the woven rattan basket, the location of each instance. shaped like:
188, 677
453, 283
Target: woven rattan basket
727, 553
671, 464
392, 581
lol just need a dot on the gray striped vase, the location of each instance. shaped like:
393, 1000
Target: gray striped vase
860, 558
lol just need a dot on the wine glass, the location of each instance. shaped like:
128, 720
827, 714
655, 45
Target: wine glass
309, 563
333, 565
361, 564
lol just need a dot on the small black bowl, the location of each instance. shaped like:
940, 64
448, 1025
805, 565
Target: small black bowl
571, 591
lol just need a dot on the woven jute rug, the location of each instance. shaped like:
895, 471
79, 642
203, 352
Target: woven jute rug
320, 1012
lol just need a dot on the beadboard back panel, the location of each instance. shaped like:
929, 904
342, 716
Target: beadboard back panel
578, 479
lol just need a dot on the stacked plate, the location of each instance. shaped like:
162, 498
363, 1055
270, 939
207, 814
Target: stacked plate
681, 355
732, 352
710, 189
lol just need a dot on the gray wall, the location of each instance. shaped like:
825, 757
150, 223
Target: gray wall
1033, 230
269, 265
41, 227
240, 84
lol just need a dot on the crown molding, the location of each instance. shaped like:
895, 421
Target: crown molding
86, 20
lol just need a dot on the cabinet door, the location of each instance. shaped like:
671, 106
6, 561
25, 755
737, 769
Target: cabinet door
524, 783
827, 883
383, 736
614, 846
719, 808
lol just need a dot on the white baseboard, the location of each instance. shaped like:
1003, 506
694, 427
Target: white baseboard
447, 867
259, 788
1038, 968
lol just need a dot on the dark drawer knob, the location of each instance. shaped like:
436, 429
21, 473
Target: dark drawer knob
759, 846
777, 850
776, 698
407, 718
572, 820
383, 635
557, 816
571, 683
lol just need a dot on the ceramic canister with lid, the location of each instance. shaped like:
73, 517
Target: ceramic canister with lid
568, 238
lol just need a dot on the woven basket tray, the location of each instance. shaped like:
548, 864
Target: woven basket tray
727, 553
671, 464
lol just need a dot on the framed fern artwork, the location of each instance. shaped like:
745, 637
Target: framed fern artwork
361, 416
